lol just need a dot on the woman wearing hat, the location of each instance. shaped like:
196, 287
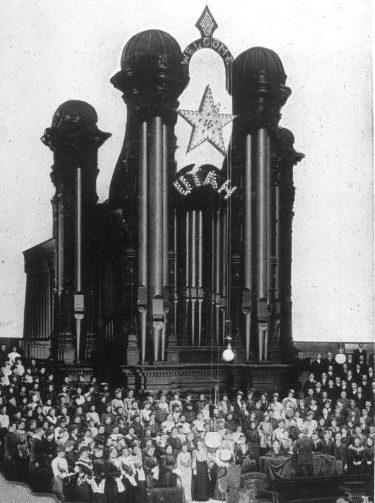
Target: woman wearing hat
265, 433
129, 472
83, 468
140, 474
151, 467
168, 462
114, 487
356, 457
71, 456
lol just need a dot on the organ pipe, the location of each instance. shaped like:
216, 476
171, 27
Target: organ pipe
263, 179
224, 271
247, 242
175, 293
78, 255
156, 232
193, 215
200, 275
142, 239
187, 267
165, 233
218, 274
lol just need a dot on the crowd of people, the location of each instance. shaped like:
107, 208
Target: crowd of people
84, 441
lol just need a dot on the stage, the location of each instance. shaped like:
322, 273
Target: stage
195, 377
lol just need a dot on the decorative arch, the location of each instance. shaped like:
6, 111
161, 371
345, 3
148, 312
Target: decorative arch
206, 24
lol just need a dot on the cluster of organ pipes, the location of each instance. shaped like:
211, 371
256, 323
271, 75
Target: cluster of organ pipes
200, 248
153, 238
201, 259
194, 274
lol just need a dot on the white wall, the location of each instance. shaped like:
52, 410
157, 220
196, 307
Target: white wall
52, 51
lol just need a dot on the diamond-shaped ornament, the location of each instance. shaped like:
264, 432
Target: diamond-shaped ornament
206, 24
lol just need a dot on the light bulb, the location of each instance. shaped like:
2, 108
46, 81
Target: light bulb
228, 354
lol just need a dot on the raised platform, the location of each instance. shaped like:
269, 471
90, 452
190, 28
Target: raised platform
195, 377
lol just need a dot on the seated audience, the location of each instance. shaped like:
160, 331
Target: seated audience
84, 442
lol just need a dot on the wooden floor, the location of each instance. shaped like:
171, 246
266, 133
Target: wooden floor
16, 492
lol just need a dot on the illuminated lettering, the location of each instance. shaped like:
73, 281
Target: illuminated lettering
186, 183
223, 49
180, 184
211, 179
194, 173
227, 188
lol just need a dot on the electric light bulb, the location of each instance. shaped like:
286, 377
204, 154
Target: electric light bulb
228, 355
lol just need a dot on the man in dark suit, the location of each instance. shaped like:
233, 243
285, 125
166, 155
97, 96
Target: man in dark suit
326, 444
330, 361
358, 352
3, 355
317, 366
11, 451
304, 448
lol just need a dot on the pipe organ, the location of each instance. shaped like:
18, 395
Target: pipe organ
178, 257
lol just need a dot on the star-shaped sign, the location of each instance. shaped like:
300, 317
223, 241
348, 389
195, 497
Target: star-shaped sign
207, 123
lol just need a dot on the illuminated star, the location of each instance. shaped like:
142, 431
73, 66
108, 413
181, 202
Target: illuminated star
207, 123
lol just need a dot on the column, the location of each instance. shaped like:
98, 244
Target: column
262, 230
155, 244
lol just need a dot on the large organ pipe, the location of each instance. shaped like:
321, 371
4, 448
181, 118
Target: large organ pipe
165, 234
247, 244
187, 268
45, 301
218, 264
142, 239
60, 245
277, 257
48, 303
200, 275
78, 255
263, 179
156, 232
193, 217
277, 243
175, 293
269, 236
213, 276
224, 271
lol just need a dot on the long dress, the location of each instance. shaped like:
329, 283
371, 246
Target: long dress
167, 477
254, 443
140, 478
150, 464
265, 433
99, 473
202, 478
184, 464
356, 459
369, 460
83, 488
114, 490
221, 472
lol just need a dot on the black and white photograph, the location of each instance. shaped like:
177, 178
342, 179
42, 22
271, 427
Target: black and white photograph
186, 251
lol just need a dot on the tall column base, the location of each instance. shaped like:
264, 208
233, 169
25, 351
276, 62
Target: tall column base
173, 352
132, 351
67, 349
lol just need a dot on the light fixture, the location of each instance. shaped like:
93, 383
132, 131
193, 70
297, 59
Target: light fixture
228, 354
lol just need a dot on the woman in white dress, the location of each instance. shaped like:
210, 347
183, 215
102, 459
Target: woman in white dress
184, 465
